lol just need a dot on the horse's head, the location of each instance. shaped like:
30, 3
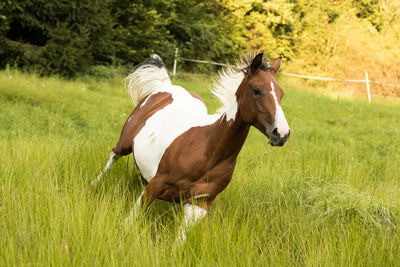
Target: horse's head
259, 99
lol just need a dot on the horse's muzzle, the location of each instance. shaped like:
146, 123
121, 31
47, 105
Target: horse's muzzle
277, 140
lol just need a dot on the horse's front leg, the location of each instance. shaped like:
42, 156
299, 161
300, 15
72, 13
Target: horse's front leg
135, 210
149, 194
192, 214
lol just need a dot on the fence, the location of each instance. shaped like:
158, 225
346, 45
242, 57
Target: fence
367, 81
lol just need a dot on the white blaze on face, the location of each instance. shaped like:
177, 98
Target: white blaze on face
280, 122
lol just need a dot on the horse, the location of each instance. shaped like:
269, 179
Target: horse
182, 152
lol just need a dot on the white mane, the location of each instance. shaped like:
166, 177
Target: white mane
226, 85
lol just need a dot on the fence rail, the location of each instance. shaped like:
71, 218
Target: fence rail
367, 81
340, 80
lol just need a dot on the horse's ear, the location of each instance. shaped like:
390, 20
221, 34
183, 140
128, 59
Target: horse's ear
256, 63
276, 65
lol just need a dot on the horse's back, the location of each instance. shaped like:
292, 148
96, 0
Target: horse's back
161, 124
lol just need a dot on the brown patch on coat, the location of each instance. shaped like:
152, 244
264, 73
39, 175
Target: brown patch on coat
200, 162
137, 119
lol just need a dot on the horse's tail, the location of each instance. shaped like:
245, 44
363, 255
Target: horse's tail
147, 77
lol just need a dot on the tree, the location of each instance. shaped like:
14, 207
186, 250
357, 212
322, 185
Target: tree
63, 37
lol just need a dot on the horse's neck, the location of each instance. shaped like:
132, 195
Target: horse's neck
228, 138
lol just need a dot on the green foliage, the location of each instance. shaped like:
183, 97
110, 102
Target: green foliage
142, 28
200, 29
371, 10
270, 26
344, 39
206, 30
63, 37
66, 37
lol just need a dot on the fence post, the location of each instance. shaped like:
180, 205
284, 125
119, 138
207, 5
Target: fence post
175, 63
368, 91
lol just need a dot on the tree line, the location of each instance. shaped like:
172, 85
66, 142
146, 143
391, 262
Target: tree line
67, 37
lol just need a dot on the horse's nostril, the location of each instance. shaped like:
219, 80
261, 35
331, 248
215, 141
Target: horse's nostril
275, 132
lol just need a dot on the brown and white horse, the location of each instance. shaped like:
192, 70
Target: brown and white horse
184, 153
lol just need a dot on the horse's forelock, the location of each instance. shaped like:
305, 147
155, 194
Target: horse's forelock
245, 63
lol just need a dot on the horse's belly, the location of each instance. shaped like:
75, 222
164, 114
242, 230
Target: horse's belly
161, 129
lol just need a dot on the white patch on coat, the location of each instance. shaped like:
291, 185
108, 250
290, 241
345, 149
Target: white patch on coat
280, 122
231, 110
192, 214
164, 126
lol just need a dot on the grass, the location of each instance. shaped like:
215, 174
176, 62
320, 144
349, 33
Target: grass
330, 196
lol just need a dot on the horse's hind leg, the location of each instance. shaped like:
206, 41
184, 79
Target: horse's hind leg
120, 150
113, 158
123, 148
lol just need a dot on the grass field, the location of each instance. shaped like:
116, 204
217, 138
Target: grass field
329, 197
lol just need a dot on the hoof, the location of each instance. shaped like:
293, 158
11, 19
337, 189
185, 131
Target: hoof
128, 223
96, 181
181, 239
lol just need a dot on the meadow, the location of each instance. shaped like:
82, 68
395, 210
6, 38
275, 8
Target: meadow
329, 197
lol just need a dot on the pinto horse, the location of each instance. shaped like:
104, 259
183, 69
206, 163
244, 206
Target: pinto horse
182, 152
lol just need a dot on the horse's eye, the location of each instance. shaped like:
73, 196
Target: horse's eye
256, 92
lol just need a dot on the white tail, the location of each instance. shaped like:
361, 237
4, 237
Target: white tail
147, 77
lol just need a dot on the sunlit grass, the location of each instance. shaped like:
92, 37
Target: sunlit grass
329, 197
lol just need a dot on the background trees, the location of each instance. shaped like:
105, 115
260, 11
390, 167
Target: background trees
62, 37
69, 36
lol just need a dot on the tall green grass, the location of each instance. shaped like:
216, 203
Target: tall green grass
330, 196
